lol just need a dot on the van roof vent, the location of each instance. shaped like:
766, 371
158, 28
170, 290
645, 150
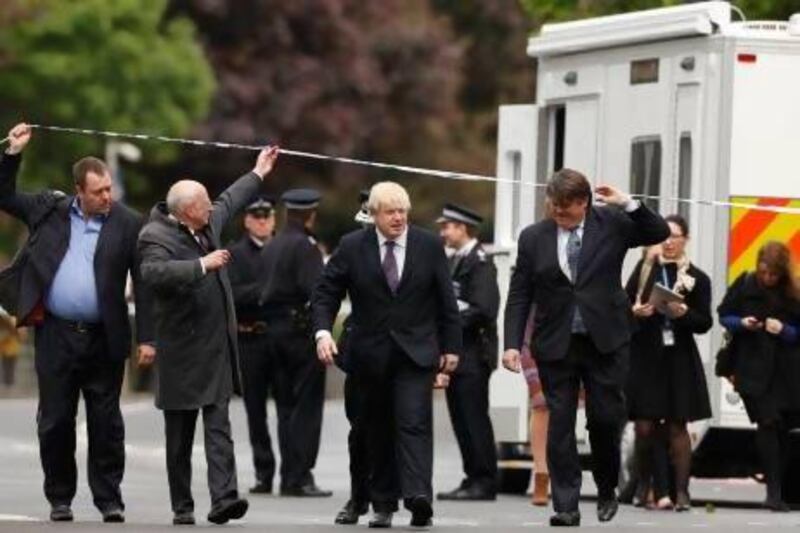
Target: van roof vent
766, 25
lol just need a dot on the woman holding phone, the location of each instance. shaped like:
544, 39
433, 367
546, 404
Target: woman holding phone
761, 310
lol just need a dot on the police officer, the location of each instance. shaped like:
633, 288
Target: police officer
246, 272
292, 263
358, 504
475, 285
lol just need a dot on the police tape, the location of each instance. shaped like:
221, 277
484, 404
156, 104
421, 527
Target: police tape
296, 153
444, 174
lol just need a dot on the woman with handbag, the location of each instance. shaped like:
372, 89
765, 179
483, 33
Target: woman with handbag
667, 386
761, 311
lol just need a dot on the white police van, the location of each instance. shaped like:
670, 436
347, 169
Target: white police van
680, 102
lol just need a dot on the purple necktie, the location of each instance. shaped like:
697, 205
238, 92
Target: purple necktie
389, 266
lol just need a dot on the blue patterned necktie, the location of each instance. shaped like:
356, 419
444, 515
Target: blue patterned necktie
389, 267
573, 253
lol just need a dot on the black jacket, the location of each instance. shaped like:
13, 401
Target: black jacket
197, 361
246, 273
608, 234
669, 382
292, 264
478, 297
115, 256
696, 321
755, 356
421, 319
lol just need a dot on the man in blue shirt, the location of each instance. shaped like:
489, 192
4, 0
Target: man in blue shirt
72, 290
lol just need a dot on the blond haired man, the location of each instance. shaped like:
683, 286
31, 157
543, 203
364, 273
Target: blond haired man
403, 327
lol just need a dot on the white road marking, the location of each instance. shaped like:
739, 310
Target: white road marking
18, 518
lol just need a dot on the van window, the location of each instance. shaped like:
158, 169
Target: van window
646, 168
685, 174
644, 71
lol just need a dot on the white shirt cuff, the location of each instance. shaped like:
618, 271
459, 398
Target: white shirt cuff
202, 266
322, 333
632, 205
462, 305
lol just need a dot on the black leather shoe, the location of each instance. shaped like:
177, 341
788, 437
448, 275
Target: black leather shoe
261, 488
381, 520
607, 509
230, 511
113, 516
61, 513
421, 511
350, 513
306, 491
473, 493
776, 506
566, 519
183, 519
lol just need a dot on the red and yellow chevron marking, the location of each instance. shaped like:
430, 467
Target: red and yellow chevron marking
751, 229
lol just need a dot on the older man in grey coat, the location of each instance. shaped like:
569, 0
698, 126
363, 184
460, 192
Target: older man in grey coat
197, 362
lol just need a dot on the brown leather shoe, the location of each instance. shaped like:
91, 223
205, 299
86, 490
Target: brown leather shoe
541, 490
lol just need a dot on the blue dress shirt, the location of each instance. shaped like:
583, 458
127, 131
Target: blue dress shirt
73, 293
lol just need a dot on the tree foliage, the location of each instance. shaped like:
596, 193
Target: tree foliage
97, 64
410, 81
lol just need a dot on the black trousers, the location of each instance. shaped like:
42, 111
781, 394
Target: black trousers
299, 397
258, 375
179, 427
399, 422
70, 361
354, 408
603, 377
468, 403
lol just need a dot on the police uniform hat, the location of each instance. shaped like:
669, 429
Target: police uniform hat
301, 198
457, 213
363, 196
260, 206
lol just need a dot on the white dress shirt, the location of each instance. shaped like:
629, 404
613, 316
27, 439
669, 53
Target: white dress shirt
459, 256
399, 250
399, 257
465, 250
196, 238
563, 238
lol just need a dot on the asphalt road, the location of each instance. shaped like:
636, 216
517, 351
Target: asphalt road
23, 507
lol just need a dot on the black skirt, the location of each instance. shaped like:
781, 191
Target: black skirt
667, 384
781, 399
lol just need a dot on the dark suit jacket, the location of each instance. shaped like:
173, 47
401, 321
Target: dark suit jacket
421, 319
197, 361
607, 235
475, 286
115, 256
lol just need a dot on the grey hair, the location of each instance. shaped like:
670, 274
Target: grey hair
181, 194
388, 194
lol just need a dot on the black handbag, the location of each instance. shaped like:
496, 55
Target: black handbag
724, 366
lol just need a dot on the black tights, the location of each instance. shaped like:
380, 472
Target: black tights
652, 438
771, 441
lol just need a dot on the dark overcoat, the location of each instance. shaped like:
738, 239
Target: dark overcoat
197, 360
